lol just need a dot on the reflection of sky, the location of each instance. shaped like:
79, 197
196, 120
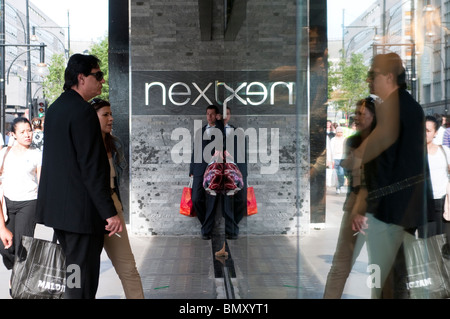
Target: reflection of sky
84, 26
353, 8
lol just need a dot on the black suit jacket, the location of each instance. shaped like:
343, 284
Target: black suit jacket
74, 189
239, 150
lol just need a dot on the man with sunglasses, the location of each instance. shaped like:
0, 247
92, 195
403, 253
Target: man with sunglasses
396, 175
74, 196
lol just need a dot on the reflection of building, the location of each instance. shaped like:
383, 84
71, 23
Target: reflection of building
423, 47
16, 57
359, 35
375, 32
433, 51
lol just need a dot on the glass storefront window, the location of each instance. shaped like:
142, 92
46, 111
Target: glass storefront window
292, 74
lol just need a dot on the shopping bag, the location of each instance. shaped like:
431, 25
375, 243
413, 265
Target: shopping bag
186, 206
427, 270
252, 207
39, 270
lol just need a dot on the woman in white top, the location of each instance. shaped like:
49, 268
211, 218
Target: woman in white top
20, 179
438, 157
337, 145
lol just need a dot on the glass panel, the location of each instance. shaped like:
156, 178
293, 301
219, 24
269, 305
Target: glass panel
292, 74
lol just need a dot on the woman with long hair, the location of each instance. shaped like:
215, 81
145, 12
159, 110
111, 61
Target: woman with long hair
350, 243
118, 248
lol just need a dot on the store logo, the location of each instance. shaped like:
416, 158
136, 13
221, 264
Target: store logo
253, 93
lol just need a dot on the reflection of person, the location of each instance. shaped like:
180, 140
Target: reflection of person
202, 202
318, 57
20, 179
438, 159
38, 133
349, 246
74, 195
117, 248
395, 171
337, 154
235, 207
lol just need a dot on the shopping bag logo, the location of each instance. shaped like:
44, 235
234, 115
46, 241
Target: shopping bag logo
47, 280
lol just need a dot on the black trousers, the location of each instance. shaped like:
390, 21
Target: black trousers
203, 204
235, 208
82, 253
21, 222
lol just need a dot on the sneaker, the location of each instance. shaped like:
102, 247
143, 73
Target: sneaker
338, 191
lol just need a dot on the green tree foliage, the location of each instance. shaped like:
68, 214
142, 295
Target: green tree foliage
100, 50
54, 81
347, 83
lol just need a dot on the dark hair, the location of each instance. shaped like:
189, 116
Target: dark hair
433, 119
18, 120
391, 63
213, 107
78, 64
36, 123
109, 139
369, 104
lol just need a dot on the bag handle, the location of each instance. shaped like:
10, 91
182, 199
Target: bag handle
4, 157
54, 239
445, 154
3, 163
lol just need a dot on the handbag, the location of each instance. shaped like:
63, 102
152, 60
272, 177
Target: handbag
2, 197
252, 207
186, 206
428, 271
39, 270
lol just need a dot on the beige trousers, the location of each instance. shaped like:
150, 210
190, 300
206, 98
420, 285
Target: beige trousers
119, 252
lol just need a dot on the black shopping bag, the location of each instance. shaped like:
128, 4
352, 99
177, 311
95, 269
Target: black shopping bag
428, 271
39, 270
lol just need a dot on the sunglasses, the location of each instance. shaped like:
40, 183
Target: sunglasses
98, 75
372, 74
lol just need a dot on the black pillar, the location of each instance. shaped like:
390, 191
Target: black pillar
119, 84
318, 104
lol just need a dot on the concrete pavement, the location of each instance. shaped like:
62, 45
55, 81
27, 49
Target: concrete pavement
263, 267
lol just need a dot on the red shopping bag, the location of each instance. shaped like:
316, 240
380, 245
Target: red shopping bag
186, 207
252, 207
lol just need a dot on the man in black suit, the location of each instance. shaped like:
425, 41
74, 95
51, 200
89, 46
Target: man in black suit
74, 196
204, 203
235, 207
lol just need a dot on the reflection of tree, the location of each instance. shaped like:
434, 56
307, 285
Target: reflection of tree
347, 83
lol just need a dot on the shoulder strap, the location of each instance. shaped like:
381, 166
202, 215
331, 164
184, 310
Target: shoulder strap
3, 163
445, 154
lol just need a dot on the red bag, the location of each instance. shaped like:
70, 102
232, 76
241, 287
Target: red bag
186, 207
252, 208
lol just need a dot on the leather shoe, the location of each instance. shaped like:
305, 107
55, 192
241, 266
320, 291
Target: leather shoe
206, 237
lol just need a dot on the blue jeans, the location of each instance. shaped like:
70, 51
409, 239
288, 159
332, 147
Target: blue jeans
340, 173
